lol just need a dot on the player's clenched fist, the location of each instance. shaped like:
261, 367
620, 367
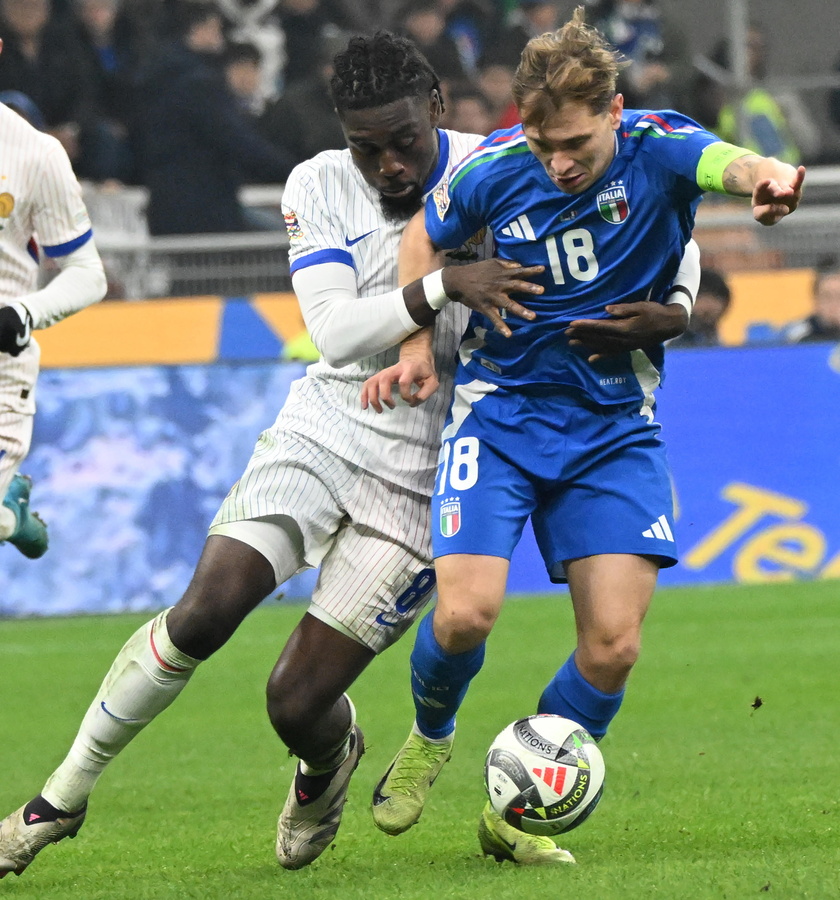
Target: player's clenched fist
15, 328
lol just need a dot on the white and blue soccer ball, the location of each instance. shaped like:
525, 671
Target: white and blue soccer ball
544, 774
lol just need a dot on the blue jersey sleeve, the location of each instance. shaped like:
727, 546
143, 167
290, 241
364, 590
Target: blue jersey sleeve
454, 215
673, 141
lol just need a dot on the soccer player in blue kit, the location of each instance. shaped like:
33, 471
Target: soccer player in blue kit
605, 199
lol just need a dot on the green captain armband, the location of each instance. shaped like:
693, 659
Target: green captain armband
713, 162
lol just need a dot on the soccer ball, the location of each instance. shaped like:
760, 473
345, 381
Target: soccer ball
544, 774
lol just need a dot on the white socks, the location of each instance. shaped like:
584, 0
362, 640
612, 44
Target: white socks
147, 675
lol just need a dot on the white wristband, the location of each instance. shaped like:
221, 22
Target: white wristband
680, 296
433, 289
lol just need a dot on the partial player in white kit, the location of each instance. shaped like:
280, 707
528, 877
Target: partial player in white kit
329, 482
41, 211
327, 456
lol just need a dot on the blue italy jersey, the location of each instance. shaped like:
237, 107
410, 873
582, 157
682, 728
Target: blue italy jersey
619, 241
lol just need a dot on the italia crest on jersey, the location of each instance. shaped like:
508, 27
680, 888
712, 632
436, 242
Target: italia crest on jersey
612, 204
450, 518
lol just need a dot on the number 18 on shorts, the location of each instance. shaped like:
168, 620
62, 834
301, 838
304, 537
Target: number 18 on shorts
593, 481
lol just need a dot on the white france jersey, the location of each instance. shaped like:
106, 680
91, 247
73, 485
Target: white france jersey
333, 215
41, 209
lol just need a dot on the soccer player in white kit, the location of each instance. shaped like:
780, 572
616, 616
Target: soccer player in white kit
41, 210
328, 483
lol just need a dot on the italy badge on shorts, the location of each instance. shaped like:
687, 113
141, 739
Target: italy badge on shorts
450, 517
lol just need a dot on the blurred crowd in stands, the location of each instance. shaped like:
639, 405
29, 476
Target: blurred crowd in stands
192, 98
823, 324
714, 298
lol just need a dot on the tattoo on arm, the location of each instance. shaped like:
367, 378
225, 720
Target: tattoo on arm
739, 176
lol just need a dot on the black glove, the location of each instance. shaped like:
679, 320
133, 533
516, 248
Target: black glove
15, 329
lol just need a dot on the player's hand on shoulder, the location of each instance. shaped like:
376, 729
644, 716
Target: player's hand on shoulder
631, 326
15, 328
486, 287
414, 375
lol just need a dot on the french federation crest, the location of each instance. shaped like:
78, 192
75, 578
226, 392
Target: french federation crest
450, 518
612, 204
441, 197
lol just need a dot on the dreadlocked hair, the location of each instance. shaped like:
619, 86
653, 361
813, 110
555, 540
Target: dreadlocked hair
378, 70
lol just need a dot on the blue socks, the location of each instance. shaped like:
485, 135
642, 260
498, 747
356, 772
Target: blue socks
439, 681
569, 694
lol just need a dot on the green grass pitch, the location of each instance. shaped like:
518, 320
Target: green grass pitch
706, 796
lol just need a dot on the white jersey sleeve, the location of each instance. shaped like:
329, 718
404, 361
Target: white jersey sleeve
59, 216
309, 206
334, 220
80, 283
342, 329
63, 227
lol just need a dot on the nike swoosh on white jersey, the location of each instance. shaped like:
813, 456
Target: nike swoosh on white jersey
350, 241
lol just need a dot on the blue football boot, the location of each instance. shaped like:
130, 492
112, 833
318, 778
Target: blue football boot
30, 535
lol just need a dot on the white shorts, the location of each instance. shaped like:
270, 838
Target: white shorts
370, 537
15, 438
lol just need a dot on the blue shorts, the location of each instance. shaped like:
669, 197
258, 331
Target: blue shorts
593, 478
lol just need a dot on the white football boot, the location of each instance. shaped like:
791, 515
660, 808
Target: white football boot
312, 813
29, 829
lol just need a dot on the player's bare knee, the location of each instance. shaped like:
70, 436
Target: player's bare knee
195, 642
200, 623
219, 597
291, 715
464, 629
608, 657
622, 659
281, 718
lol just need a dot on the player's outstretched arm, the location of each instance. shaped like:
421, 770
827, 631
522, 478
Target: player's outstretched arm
80, 282
346, 328
775, 187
